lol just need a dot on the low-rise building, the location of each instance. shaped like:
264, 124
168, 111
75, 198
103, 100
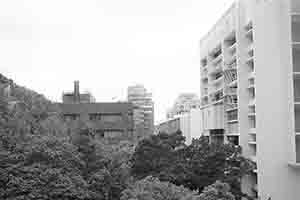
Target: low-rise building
109, 120
106, 120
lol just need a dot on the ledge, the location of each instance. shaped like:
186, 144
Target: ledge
294, 165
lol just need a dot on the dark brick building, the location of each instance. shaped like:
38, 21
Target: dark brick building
111, 120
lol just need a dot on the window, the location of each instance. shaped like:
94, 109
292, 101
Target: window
233, 140
113, 133
111, 117
204, 62
71, 117
218, 75
232, 115
99, 133
95, 116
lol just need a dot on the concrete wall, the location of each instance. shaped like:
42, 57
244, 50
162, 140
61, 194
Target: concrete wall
185, 127
274, 101
196, 123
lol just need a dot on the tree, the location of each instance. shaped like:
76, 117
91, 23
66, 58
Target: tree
154, 154
195, 166
44, 168
217, 191
152, 188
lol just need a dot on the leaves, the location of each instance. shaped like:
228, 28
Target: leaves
152, 188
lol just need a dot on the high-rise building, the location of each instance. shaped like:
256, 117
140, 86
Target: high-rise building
144, 109
183, 104
250, 91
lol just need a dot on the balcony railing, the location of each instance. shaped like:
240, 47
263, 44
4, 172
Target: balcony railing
230, 91
252, 130
231, 107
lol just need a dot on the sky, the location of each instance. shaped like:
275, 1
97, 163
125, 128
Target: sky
107, 45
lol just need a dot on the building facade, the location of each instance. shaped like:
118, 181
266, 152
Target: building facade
112, 121
183, 104
143, 109
250, 66
168, 126
188, 123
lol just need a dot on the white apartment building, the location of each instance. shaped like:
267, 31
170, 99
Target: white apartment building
250, 91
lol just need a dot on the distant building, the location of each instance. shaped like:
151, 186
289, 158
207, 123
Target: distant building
107, 120
111, 120
168, 126
6, 86
188, 123
76, 96
183, 104
143, 109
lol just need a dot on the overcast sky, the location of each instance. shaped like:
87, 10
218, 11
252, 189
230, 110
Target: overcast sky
106, 45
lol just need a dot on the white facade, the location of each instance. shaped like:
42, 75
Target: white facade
188, 123
144, 109
250, 91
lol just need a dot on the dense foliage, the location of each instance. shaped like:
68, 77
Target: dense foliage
42, 158
153, 189
195, 166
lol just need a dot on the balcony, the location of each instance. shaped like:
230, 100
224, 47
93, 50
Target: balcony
249, 31
296, 28
233, 83
215, 69
217, 96
204, 72
251, 86
253, 158
204, 62
232, 60
295, 6
251, 114
219, 58
231, 91
232, 107
252, 103
252, 131
218, 79
251, 75
252, 142
232, 48
250, 60
232, 116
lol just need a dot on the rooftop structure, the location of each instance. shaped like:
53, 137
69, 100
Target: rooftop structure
76, 97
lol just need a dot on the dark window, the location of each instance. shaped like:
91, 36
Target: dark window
71, 116
233, 140
218, 75
233, 115
100, 133
95, 116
